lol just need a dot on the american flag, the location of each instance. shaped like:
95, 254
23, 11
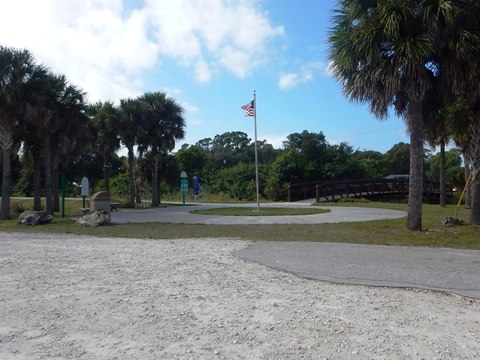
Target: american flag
249, 109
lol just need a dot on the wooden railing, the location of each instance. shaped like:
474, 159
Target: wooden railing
335, 190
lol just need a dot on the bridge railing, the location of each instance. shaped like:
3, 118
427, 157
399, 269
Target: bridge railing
334, 190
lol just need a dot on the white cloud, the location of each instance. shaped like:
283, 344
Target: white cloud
231, 34
289, 80
104, 46
88, 41
202, 72
308, 72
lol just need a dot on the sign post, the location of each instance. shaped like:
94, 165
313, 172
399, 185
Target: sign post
183, 185
84, 192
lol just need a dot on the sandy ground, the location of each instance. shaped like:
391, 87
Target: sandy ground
71, 297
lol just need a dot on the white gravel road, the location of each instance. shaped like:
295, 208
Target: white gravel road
78, 297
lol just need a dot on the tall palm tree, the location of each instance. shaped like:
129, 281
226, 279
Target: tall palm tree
384, 53
44, 114
31, 138
159, 129
131, 112
71, 137
105, 118
16, 67
464, 109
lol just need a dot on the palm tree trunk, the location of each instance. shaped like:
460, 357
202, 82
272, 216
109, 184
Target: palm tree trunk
6, 182
131, 179
475, 198
442, 180
468, 189
155, 192
48, 178
37, 186
474, 155
415, 188
56, 189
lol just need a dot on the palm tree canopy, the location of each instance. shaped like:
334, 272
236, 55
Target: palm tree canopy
162, 125
384, 52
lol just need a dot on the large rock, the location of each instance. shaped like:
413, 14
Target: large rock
34, 218
95, 218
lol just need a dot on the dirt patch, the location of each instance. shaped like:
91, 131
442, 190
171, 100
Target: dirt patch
78, 297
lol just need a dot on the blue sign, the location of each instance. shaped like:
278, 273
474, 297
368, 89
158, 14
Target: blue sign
196, 185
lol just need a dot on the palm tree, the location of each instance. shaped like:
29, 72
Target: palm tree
162, 125
31, 137
386, 53
44, 109
105, 118
16, 68
131, 112
71, 137
464, 108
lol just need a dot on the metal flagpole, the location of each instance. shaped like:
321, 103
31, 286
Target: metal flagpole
256, 153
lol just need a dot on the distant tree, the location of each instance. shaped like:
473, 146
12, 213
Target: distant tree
192, 159
372, 164
205, 144
312, 148
454, 172
230, 148
397, 159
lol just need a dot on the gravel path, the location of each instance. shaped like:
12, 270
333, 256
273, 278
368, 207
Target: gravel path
78, 297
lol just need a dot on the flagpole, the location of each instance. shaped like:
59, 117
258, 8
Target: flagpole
256, 153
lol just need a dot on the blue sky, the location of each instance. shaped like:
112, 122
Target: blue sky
210, 55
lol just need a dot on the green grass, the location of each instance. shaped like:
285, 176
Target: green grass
385, 232
264, 211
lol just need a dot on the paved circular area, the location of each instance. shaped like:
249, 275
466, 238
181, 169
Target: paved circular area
181, 214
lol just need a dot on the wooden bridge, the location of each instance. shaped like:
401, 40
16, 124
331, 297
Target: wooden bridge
373, 189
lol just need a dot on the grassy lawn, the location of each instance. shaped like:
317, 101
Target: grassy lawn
386, 232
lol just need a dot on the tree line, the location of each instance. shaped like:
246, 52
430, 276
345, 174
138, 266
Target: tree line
46, 123
225, 164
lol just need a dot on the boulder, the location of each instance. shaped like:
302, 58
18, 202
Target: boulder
94, 218
34, 218
452, 221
